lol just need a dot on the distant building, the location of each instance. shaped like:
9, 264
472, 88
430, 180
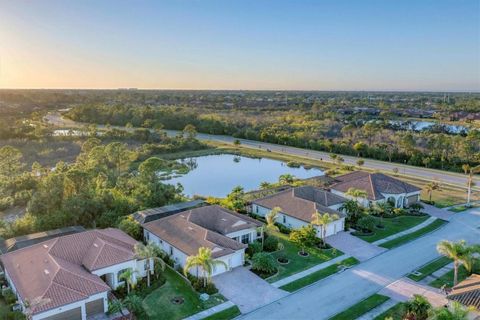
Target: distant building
379, 188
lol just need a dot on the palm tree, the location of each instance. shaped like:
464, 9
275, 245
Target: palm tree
150, 252
470, 171
455, 312
323, 220
417, 308
430, 187
264, 185
286, 178
459, 252
127, 276
382, 209
271, 219
356, 193
203, 260
353, 211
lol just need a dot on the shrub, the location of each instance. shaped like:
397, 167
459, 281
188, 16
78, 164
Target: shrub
270, 244
6, 203
415, 208
15, 315
366, 223
283, 229
134, 304
293, 164
9, 296
197, 284
264, 263
254, 247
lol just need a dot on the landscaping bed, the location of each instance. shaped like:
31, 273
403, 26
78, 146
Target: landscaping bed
412, 236
159, 304
361, 308
447, 279
318, 275
395, 313
297, 263
393, 226
430, 268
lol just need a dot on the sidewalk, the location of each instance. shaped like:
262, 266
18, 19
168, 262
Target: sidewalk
305, 273
437, 274
211, 311
408, 231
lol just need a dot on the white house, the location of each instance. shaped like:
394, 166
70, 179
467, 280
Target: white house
225, 232
298, 206
379, 188
69, 277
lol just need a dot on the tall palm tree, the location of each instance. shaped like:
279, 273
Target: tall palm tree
323, 220
430, 187
459, 252
203, 260
286, 178
127, 276
150, 252
470, 172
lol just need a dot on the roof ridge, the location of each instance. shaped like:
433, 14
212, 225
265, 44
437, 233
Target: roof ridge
275, 194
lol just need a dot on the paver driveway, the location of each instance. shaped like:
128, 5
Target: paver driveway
358, 248
246, 290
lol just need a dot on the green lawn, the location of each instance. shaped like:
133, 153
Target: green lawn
298, 263
361, 308
318, 275
412, 236
394, 225
158, 305
430, 268
462, 208
226, 314
395, 313
447, 279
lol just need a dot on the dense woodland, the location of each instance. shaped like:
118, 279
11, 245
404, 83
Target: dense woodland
318, 128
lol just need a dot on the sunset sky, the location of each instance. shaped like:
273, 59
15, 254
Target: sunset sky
241, 44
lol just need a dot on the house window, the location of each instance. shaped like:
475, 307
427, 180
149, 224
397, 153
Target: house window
147, 236
246, 238
284, 219
119, 273
171, 250
256, 209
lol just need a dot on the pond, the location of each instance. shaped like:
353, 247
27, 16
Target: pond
415, 125
217, 175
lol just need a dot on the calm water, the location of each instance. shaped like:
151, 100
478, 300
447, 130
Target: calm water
426, 125
217, 175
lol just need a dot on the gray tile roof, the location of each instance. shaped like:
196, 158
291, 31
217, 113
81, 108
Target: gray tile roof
152, 214
303, 202
467, 292
373, 183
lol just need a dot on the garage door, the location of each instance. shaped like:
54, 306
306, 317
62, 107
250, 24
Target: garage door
94, 307
74, 314
237, 260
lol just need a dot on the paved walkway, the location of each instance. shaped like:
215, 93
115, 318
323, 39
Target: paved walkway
437, 274
305, 273
338, 292
211, 311
353, 246
404, 289
405, 232
375, 312
246, 290
443, 214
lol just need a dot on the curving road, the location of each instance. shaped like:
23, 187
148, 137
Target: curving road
332, 295
423, 173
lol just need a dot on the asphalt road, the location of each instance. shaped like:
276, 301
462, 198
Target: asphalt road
423, 173
328, 297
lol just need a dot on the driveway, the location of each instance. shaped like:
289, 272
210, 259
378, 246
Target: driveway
340, 291
436, 212
351, 245
246, 290
404, 289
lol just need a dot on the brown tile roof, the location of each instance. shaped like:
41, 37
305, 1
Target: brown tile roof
202, 227
58, 270
467, 292
302, 202
373, 183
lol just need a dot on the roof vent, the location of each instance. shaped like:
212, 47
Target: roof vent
223, 219
190, 228
46, 271
45, 246
95, 245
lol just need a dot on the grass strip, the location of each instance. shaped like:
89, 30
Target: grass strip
395, 313
226, 314
361, 308
430, 268
414, 235
318, 275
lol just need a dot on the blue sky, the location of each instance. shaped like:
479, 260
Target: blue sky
241, 44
